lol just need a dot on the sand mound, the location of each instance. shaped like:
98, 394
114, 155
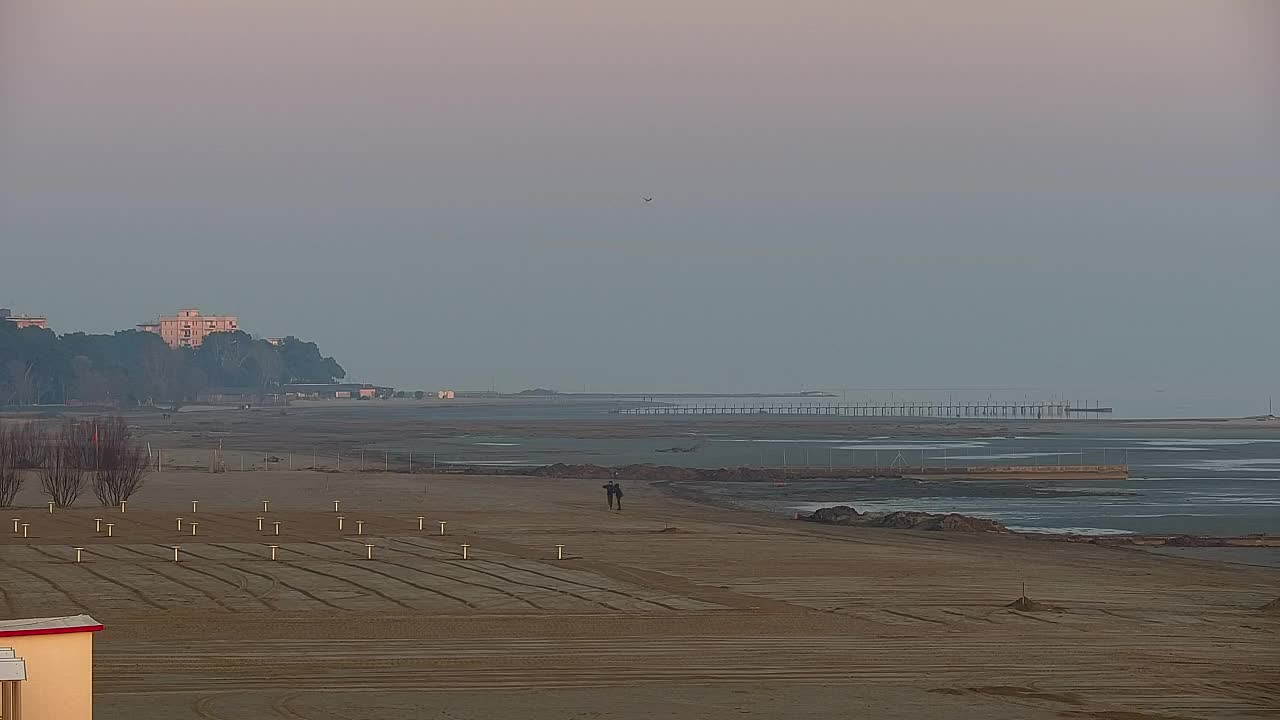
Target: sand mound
903, 520
1272, 607
1026, 604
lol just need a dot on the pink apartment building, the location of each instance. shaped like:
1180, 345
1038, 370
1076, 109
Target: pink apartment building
188, 328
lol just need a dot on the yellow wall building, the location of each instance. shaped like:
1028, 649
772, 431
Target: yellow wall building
58, 658
188, 328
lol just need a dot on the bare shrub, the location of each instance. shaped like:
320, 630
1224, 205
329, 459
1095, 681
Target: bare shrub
28, 441
10, 477
62, 469
120, 461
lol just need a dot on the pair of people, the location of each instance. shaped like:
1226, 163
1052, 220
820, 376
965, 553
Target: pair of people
614, 491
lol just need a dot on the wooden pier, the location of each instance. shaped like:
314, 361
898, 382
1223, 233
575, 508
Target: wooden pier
1029, 410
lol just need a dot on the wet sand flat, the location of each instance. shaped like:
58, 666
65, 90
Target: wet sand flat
667, 609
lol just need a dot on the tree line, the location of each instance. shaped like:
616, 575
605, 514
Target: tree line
132, 367
104, 453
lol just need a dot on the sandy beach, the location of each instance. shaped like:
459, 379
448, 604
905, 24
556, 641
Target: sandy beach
670, 608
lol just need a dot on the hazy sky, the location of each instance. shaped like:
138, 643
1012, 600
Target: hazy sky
1049, 193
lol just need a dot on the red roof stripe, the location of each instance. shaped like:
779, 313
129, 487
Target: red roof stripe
50, 631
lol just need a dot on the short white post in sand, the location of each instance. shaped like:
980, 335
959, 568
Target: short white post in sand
260, 519
340, 519
24, 528
179, 524
368, 551
265, 505
421, 518
97, 524
110, 529
559, 552
359, 527
276, 525
194, 525
273, 550
123, 503
194, 504
51, 508
16, 522
336, 503
464, 550
442, 524
176, 548
78, 550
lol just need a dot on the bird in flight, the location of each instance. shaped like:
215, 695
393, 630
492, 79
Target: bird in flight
648, 200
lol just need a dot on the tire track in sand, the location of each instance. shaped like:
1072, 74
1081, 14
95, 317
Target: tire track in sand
420, 571
321, 573
56, 587
503, 578
363, 568
214, 598
126, 587
283, 707
275, 581
200, 706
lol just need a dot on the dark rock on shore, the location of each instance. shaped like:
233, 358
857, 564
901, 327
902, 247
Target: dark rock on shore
904, 520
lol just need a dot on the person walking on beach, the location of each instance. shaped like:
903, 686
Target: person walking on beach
608, 489
617, 496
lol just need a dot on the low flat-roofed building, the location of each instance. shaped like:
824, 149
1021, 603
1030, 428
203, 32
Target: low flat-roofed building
24, 321
57, 667
329, 391
238, 396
